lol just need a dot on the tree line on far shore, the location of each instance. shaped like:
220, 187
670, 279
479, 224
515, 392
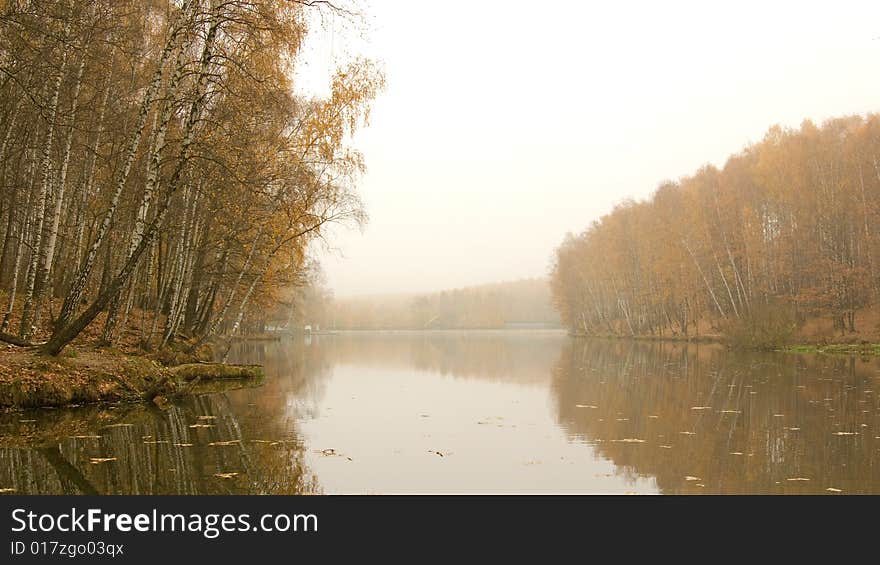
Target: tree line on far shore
786, 231
513, 304
157, 169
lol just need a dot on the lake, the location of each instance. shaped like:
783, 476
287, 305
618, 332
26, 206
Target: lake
475, 412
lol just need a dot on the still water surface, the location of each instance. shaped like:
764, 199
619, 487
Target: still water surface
473, 412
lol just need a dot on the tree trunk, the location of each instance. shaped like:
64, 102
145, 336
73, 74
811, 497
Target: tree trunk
75, 293
26, 328
47, 253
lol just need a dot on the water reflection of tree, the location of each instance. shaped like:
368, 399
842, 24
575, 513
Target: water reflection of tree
731, 423
158, 452
296, 377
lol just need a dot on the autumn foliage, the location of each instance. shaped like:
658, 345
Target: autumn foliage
785, 232
155, 157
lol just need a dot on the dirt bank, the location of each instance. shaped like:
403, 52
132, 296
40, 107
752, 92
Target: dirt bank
92, 374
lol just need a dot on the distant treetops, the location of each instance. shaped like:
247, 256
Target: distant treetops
789, 225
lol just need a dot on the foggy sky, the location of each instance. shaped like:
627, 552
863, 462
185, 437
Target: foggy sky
505, 125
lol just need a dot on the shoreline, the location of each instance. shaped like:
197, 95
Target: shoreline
95, 375
862, 348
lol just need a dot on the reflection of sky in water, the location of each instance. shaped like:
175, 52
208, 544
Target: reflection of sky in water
448, 435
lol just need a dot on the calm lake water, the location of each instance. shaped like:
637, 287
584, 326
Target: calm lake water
474, 412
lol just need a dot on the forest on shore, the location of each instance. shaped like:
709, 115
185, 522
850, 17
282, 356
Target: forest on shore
521, 304
159, 175
779, 245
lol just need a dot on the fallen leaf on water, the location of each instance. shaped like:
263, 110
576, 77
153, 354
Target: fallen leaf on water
690, 478
225, 475
832, 489
792, 429
86, 437
736, 453
798, 479
154, 442
585, 406
653, 416
688, 433
96, 460
623, 419
230, 442
665, 447
779, 415
701, 407
844, 433
184, 444
628, 440
731, 412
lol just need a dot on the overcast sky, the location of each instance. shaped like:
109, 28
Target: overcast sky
506, 124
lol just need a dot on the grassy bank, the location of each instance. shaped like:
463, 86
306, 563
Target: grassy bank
835, 348
90, 374
861, 348
701, 338
90, 371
